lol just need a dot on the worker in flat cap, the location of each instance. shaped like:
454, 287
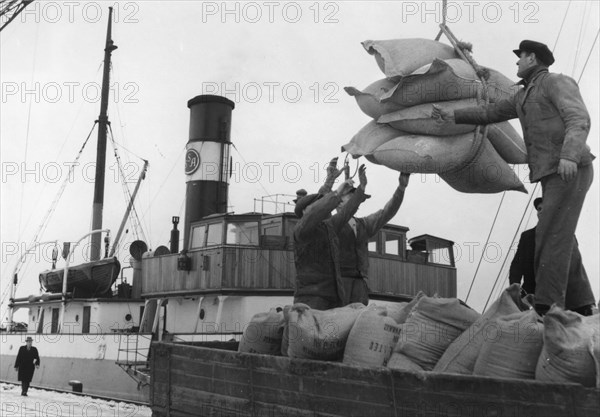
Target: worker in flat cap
354, 241
316, 244
556, 125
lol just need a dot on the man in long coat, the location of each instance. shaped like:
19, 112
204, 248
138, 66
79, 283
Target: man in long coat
27, 361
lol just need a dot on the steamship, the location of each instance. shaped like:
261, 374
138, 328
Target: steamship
95, 336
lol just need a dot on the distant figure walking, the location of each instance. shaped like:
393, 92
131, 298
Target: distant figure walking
28, 360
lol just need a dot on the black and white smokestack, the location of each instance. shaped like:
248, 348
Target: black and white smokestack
207, 159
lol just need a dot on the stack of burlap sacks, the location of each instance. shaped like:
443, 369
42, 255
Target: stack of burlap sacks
440, 335
403, 136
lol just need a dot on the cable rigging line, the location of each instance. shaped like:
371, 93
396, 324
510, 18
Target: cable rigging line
579, 38
45, 221
485, 246
561, 26
588, 57
133, 216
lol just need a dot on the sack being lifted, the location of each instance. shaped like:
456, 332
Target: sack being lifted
421, 73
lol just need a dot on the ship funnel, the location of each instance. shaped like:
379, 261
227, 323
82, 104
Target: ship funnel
207, 159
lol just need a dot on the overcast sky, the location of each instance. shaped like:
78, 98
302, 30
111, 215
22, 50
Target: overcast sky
284, 64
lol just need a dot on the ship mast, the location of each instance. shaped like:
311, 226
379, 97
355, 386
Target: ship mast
101, 149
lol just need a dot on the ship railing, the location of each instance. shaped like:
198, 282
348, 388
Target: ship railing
133, 356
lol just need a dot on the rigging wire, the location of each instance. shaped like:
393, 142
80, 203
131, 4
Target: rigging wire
588, 57
133, 216
485, 246
581, 26
561, 26
35, 46
147, 211
44, 224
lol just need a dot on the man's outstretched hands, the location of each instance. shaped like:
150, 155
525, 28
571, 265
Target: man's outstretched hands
362, 176
332, 171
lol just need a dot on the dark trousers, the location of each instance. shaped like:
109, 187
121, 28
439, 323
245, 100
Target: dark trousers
24, 386
356, 290
316, 302
558, 265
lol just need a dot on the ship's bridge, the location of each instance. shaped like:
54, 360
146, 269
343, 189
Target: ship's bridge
252, 253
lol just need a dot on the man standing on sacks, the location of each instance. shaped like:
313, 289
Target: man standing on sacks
555, 126
316, 244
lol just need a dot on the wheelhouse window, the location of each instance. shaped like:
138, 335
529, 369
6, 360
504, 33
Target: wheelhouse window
242, 233
393, 244
198, 237
440, 256
372, 245
214, 236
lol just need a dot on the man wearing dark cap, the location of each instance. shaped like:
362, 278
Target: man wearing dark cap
555, 125
27, 361
316, 244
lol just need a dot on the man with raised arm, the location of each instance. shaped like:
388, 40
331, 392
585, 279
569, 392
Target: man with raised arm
555, 125
354, 240
316, 244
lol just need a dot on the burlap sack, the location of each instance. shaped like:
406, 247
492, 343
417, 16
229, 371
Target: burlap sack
372, 338
512, 346
403, 363
370, 137
427, 154
452, 79
417, 119
315, 334
486, 173
460, 356
566, 355
432, 326
368, 99
398, 57
263, 334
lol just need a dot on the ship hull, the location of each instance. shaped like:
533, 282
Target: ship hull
87, 358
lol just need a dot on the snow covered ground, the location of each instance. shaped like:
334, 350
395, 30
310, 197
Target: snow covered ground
41, 403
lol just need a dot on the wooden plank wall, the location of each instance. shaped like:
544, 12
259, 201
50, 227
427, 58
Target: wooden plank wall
160, 274
234, 267
196, 381
258, 268
409, 278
